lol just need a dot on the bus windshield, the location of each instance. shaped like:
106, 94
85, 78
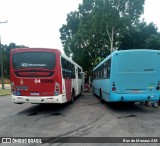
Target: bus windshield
36, 60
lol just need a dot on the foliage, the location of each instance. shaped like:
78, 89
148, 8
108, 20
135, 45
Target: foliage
4, 92
6, 57
135, 37
96, 29
153, 42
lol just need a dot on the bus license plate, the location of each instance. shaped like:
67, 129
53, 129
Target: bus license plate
135, 91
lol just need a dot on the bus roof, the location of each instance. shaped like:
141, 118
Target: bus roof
124, 51
35, 49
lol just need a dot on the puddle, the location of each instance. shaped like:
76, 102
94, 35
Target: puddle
129, 116
32, 114
56, 114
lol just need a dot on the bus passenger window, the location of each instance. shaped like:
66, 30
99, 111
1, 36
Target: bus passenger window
105, 73
64, 67
101, 71
105, 70
79, 73
73, 72
109, 68
96, 74
65, 73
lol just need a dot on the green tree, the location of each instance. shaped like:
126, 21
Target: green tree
6, 57
153, 42
96, 28
135, 37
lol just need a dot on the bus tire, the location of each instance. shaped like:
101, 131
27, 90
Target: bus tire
72, 97
100, 96
81, 91
93, 91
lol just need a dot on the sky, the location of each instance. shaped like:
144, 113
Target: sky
36, 23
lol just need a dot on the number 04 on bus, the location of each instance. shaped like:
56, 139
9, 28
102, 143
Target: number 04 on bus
44, 76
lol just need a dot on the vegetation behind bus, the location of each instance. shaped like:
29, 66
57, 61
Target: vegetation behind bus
6, 57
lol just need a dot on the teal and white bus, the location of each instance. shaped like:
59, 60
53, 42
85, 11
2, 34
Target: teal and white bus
128, 76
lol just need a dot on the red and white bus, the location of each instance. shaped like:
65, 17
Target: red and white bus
40, 75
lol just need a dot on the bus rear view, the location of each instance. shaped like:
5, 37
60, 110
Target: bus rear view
135, 75
35, 76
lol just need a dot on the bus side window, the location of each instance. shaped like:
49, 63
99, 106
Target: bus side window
72, 71
95, 74
100, 70
69, 70
79, 73
98, 73
109, 68
105, 70
63, 67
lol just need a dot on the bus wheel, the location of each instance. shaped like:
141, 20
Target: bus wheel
100, 96
93, 91
72, 97
81, 91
